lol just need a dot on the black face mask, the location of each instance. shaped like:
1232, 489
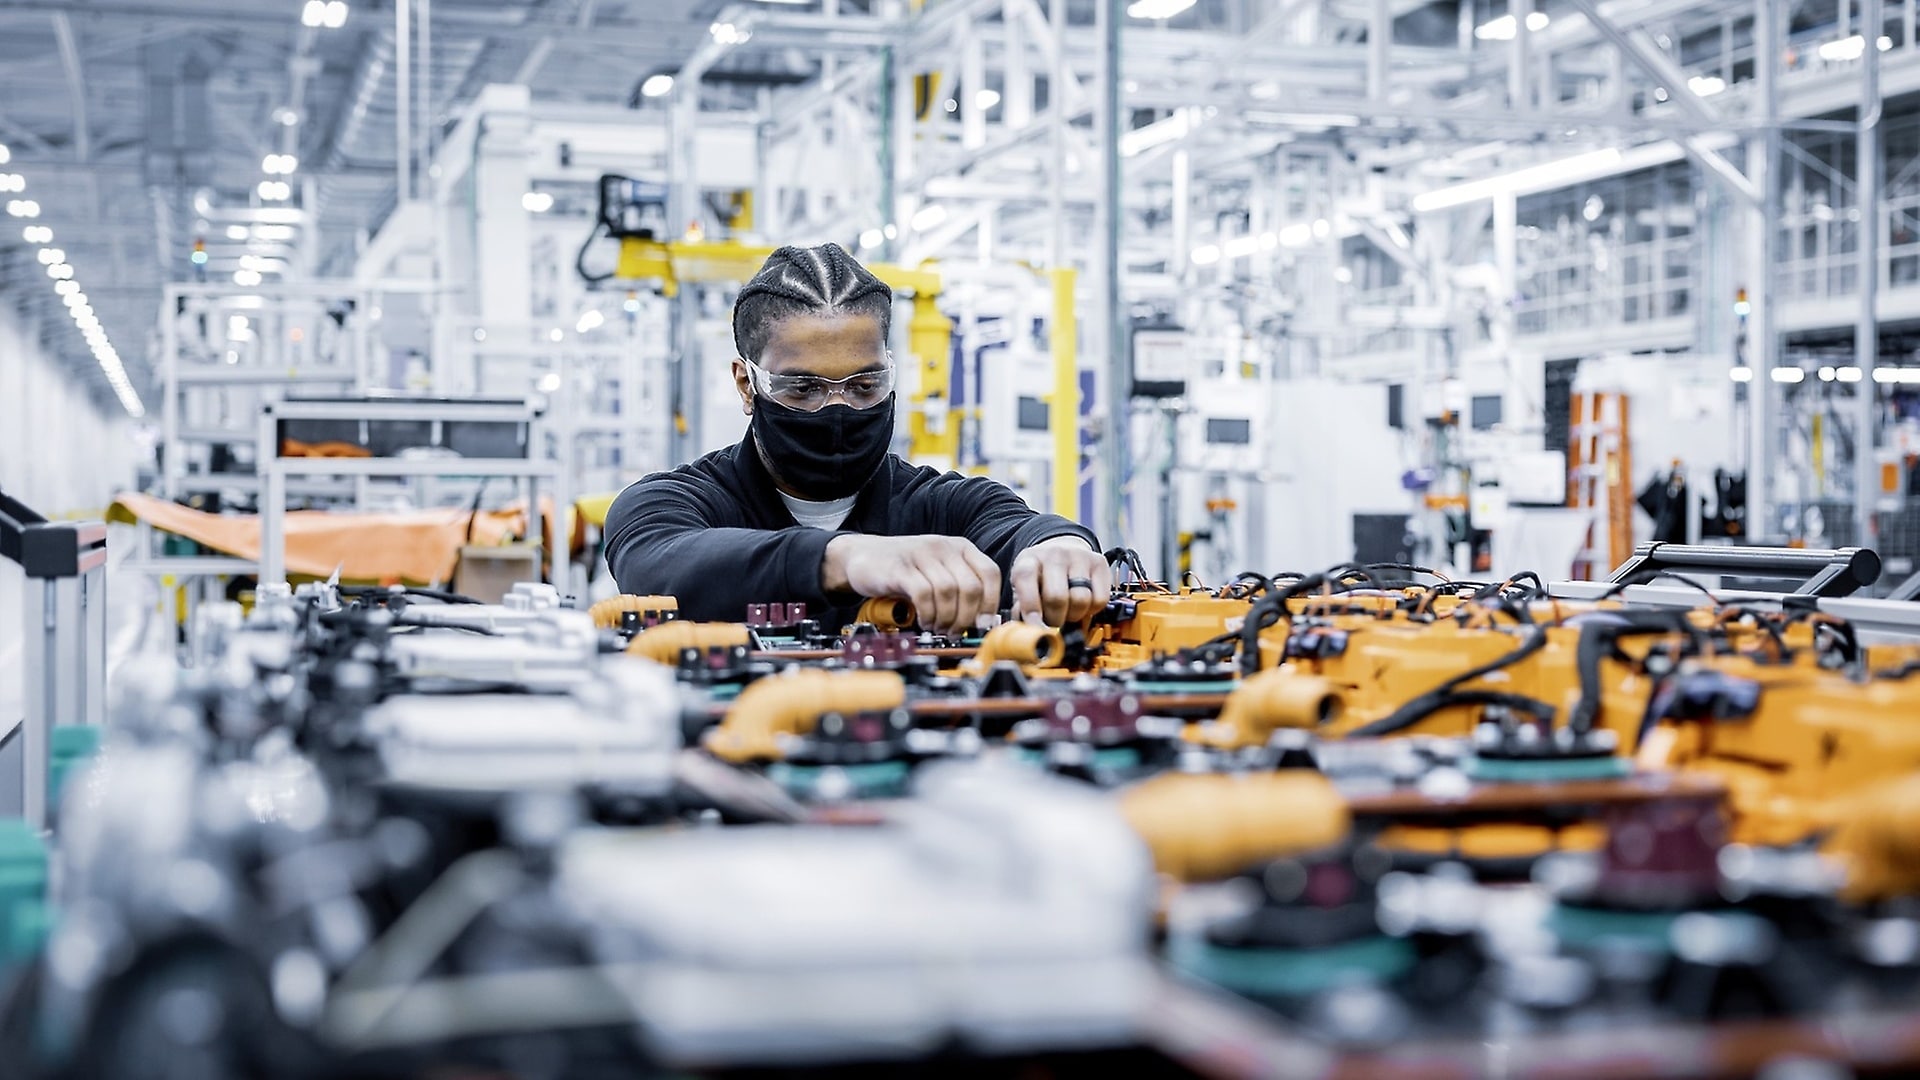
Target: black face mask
823, 455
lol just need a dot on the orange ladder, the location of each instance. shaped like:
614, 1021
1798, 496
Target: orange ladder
1599, 480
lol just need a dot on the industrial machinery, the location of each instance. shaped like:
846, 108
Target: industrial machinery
1361, 820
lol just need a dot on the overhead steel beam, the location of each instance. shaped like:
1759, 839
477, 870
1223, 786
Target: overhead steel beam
76, 85
1642, 51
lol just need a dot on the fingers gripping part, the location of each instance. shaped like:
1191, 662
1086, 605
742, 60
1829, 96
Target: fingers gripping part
887, 613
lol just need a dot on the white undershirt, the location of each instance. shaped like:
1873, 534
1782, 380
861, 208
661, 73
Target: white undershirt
819, 515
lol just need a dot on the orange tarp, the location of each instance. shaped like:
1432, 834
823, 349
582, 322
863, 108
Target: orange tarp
417, 546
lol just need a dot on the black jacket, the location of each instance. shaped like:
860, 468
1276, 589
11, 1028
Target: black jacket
716, 535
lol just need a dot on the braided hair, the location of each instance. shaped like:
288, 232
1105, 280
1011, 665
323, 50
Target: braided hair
820, 280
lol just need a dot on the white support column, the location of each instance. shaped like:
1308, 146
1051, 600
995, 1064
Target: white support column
1379, 46
1866, 332
1506, 265
1057, 141
403, 100
973, 79
502, 230
1763, 151
1182, 213
906, 127
1016, 95
1519, 85
1116, 389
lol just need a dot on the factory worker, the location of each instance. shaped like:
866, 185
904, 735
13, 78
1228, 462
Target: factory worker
810, 507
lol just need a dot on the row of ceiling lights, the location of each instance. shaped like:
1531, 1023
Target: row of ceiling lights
68, 289
316, 14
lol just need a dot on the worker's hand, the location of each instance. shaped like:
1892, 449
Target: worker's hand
950, 582
1059, 581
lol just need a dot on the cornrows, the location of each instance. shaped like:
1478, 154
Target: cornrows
820, 280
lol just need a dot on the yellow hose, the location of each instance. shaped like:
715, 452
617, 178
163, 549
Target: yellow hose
663, 643
887, 614
1204, 827
793, 704
607, 613
1264, 703
1022, 643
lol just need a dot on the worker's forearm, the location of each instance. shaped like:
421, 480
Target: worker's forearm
716, 573
833, 564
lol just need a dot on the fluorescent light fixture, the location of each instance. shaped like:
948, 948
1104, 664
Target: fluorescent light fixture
1847, 48
1706, 85
1162, 131
536, 202
871, 239
279, 164
589, 320
550, 382
273, 232
1240, 247
12, 182
1741, 374
246, 279
1317, 121
1205, 255
23, 208
1294, 236
928, 217
75, 298
556, 334
37, 234
726, 33
1505, 28
336, 14
6, 155
1789, 375
986, 99
1549, 174
49, 256
66, 288
1157, 9
1826, 373
659, 85
59, 271
314, 13
236, 232
1849, 373
273, 190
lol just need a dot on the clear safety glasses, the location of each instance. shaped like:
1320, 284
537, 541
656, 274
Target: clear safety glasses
810, 393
